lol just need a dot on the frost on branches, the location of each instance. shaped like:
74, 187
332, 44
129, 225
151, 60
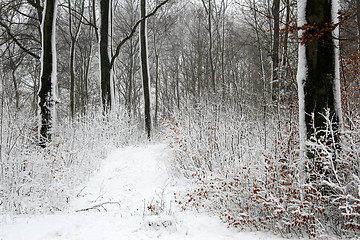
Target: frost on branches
251, 187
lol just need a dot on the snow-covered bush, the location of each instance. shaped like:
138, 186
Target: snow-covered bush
258, 187
37, 180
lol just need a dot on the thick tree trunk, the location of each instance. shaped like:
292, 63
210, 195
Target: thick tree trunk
319, 91
144, 68
105, 67
48, 75
320, 57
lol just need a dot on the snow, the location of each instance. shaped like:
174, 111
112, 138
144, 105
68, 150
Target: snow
337, 87
128, 182
301, 76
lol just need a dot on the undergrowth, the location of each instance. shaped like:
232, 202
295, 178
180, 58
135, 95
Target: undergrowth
36, 180
256, 187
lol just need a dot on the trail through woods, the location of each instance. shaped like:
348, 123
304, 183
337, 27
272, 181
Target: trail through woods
121, 201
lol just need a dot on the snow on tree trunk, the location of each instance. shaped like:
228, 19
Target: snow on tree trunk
145, 67
105, 67
318, 74
47, 92
301, 78
337, 86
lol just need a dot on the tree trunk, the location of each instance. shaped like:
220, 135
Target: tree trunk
73, 37
286, 35
144, 68
156, 88
319, 90
16, 89
105, 67
319, 87
1, 123
275, 50
48, 75
212, 69
358, 21
262, 69
177, 84
72, 79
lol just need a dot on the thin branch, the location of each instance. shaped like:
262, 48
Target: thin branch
96, 207
17, 42
133, 30
80, 16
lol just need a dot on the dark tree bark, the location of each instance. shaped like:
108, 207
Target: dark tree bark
48, 75
275, 53
105, 67
320, 58
144, 68
156, 88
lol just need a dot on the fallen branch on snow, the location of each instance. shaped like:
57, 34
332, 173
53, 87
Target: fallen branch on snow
96, 207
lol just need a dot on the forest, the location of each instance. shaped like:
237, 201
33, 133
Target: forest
258, 100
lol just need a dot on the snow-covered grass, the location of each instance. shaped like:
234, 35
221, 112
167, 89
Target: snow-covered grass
131, 196
222, 167
253, 186
36, 180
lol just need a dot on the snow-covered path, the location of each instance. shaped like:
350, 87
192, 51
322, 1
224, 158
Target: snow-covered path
119, 203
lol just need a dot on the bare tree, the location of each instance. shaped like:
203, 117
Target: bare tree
105, 67
275, 49
319, 83
145, 68
74, 29
47, 95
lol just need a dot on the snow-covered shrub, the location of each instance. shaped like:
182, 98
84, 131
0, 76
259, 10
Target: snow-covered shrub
37, 180
209, 139
266, 188
347, 184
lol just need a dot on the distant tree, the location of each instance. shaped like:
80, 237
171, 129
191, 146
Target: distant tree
20, 44
74, 30
46, 94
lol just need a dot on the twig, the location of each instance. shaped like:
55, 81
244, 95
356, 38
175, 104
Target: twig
77, 195
96, 207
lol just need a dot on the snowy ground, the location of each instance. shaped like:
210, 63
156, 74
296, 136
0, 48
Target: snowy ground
119, 203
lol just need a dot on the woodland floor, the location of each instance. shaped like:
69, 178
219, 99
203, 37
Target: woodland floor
120, 202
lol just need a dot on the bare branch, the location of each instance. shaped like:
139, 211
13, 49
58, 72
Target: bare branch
17, 42
96, 207
133, 30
